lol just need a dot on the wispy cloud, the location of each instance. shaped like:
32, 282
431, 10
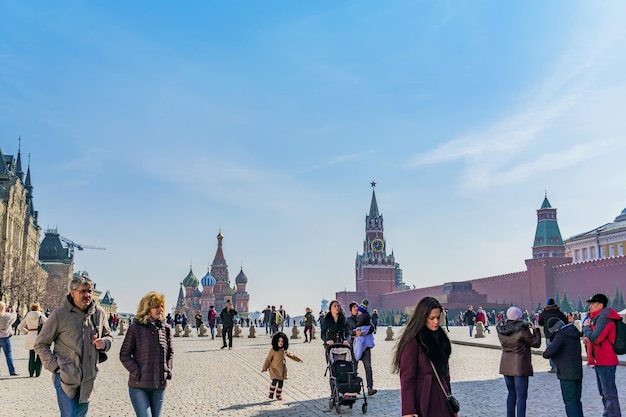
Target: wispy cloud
521, 144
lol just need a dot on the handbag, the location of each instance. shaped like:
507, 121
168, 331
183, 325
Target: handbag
453, 403
40, 325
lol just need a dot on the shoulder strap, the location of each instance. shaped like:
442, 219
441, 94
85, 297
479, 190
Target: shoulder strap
438, 379
95, 319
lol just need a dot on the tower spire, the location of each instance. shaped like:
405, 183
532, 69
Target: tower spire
374, 205
18, 164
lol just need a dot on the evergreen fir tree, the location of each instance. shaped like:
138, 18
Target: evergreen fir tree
580, 306
557, 301
539, 308
566, 304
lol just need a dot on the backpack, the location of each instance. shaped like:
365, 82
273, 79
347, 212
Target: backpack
619, 347
279, 318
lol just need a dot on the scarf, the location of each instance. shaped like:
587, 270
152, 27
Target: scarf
437, 347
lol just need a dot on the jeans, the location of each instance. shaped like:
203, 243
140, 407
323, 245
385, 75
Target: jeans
605, 376
5, 344
552, 365
212, 332
571, 390
69, 407
227, 331
471, 327
147, 402
518, 392
307, 329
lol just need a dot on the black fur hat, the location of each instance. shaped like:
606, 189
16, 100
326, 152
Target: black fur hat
277, 336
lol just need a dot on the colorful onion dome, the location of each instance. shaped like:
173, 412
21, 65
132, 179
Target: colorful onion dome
208, 280
190, 280
241, 278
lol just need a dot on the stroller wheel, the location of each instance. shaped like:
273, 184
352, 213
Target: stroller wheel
364, 408
350, 406
338, 409
331, 403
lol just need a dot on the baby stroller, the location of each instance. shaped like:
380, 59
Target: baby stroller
345, 384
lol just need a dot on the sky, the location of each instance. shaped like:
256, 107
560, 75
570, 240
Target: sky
153, 126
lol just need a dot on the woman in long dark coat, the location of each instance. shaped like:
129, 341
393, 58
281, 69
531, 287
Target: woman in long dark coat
421, 343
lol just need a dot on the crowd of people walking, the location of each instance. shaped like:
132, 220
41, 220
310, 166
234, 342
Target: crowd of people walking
76, 336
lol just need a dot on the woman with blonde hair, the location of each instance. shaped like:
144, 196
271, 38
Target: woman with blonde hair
30, 325
147, 354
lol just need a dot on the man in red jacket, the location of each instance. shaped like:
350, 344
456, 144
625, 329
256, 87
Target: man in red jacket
600, 331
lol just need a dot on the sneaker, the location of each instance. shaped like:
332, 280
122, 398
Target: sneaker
14, 374
230, 348
371, 391
223, 347
552, 371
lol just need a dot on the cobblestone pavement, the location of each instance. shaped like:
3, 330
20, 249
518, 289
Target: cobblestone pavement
209, 382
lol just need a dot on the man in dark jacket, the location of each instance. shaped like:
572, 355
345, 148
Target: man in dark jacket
549, 311
469, 318
600, 331
565, 351
228, 321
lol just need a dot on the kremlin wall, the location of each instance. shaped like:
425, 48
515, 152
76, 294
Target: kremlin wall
548, 273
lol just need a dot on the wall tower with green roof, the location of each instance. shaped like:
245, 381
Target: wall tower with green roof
548, 241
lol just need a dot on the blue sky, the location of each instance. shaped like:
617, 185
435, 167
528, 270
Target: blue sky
153, 125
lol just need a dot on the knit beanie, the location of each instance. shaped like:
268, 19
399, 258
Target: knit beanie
362, 309
554, 324
513, 313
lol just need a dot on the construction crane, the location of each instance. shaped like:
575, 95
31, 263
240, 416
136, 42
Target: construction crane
72, 245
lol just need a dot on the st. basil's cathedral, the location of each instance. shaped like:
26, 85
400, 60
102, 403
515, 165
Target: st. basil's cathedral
214, 289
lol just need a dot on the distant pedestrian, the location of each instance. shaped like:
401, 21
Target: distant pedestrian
267, 315
565, 351
309, 322
481, 317
469, 318
275, 363
7, 318
275, 320
283, 315
599, 327
30, 326
147, 353
549, 311
228, 321
516, 338
375, 320
212, 320
199, 321
443, 318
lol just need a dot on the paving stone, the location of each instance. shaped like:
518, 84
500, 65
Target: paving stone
209, 381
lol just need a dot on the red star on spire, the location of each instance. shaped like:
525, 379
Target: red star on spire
373, 184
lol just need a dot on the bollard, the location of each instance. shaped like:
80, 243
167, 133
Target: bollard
295, 333
220, 328
187, 331
252, 334
313, 333
204, 331
237, 332
122, 328
178, 330
480, 330
389, 333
